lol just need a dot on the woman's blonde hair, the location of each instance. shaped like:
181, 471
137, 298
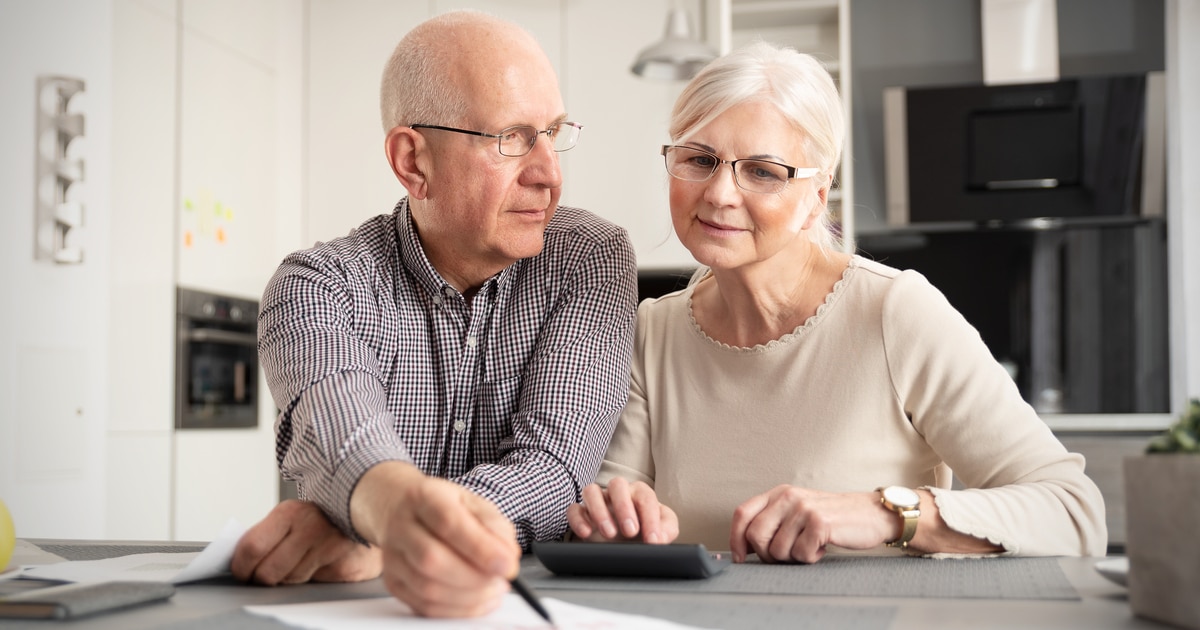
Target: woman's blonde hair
794, 83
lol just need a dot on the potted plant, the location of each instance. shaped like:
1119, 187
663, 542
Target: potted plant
1162, 500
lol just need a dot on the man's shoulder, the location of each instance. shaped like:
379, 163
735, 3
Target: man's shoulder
373, 239
573, 222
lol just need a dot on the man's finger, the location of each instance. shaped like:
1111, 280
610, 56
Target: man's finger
450, 515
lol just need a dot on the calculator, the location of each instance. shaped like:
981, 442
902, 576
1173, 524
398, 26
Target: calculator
631, 559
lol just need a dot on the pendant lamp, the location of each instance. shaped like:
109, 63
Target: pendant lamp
678, 56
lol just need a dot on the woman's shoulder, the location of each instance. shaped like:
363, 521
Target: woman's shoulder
661, 307
891, 283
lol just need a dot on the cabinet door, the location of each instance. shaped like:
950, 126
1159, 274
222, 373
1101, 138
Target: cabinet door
227, 155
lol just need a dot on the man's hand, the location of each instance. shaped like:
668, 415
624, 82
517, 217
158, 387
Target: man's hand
447, 552
296, 543
623, 511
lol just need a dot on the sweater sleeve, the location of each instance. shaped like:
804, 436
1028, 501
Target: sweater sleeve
1025, 492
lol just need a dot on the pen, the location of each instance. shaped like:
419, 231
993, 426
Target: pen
526, 592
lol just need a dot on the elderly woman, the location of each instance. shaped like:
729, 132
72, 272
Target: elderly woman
795, 397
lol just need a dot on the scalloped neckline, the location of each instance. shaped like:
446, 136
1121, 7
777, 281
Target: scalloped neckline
787, 338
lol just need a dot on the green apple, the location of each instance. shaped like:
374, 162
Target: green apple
8, 537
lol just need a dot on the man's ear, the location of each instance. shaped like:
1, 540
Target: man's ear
407, 153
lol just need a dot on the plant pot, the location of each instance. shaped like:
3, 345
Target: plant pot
1162, 528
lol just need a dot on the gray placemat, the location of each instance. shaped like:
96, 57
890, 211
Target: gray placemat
866, 576
78, 552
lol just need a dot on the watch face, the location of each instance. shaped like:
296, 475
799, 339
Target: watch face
900, 496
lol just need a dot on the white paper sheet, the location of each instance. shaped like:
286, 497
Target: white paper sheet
176, 568
379, 613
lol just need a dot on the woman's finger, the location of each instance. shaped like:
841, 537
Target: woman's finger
595, 500
647, 512
742, 517
621, 503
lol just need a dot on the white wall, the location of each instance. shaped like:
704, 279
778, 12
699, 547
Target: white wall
54, 344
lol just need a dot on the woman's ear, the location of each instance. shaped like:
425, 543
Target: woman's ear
406, 151
822, 205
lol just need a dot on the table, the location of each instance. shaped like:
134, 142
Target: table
218, 604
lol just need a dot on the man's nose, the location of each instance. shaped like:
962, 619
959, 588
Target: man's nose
543, 168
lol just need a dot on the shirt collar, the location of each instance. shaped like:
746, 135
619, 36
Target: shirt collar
412, 256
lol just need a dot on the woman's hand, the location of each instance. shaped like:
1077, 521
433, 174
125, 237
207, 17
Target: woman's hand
623, 511
790, 524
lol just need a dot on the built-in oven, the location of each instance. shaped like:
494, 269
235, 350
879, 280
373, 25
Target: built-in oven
216, 375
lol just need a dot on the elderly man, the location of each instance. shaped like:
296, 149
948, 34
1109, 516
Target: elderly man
450, 374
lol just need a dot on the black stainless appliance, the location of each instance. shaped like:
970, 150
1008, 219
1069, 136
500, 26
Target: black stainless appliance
1088, 147
1078, 314
1037, 209
216, 357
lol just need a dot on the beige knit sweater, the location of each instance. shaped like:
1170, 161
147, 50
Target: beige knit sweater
886, 385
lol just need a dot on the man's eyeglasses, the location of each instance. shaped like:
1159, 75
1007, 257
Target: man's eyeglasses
760, 176
518, 140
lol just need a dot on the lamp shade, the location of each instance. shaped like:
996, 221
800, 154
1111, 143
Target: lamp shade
678, 56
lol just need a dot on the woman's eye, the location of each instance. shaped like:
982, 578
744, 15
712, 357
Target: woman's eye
765, 173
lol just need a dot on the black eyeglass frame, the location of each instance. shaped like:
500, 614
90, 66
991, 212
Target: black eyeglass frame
503, 132
792, 171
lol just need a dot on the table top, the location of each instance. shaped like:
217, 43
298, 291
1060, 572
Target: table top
218, 604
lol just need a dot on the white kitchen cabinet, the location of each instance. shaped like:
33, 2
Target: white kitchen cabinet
226, 210
820, 28
227, 152
141, 326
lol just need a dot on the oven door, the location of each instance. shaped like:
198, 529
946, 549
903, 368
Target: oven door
217, 377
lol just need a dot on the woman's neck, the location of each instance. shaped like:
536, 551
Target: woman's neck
755, 304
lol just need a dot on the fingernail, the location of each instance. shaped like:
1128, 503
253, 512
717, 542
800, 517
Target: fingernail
652, 537
610, 530
630, 527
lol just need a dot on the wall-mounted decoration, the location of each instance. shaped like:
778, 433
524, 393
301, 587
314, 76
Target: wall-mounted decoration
58, 209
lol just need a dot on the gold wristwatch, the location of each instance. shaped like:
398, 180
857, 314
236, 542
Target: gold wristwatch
907, 503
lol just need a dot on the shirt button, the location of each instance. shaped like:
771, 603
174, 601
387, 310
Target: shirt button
471, 342
437, 299
450, 292
459, 425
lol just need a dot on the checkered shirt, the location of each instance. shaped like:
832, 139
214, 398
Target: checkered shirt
372, 357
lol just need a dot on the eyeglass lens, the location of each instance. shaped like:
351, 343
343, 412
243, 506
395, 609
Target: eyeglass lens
519, 140
694, 165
